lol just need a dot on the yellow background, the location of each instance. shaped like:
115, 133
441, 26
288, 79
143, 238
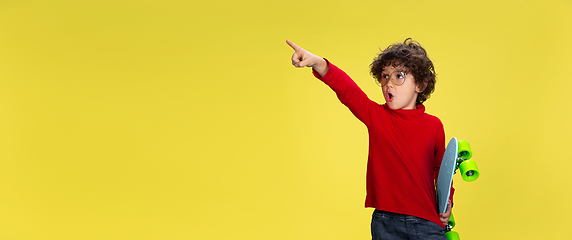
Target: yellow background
185, 120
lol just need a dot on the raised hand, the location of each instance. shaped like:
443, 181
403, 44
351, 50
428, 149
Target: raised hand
302, 58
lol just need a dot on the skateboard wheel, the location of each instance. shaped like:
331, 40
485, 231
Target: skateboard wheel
452, 235
451, 221
469, 170
465, 151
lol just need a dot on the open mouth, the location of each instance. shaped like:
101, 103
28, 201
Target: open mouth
390, 97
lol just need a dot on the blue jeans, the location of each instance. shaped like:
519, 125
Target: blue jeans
387, 225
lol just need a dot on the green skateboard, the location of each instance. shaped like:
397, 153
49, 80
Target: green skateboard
457, 155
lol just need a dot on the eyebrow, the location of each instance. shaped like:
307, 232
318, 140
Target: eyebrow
396, 70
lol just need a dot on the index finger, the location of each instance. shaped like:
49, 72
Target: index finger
293, 45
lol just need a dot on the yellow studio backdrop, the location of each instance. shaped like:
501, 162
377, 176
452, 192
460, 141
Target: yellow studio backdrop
185, 120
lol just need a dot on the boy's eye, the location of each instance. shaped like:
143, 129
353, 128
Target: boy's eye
400, 75
385, 76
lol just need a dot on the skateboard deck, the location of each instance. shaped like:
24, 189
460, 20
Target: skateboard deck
445, 178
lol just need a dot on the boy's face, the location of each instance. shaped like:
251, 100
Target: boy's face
399, 96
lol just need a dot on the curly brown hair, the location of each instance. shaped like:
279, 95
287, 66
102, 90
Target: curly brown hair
413, 57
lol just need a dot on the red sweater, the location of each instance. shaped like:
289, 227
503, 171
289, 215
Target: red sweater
405, 151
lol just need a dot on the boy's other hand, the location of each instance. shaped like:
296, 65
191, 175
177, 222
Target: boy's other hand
302, 58
445, 216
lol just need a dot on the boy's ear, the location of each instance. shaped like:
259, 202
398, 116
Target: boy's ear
420, 87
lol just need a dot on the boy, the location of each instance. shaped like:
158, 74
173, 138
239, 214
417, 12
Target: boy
406, 144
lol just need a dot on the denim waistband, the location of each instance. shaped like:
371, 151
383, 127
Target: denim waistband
396, 216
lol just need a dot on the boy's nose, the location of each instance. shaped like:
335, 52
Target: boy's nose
390, 84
